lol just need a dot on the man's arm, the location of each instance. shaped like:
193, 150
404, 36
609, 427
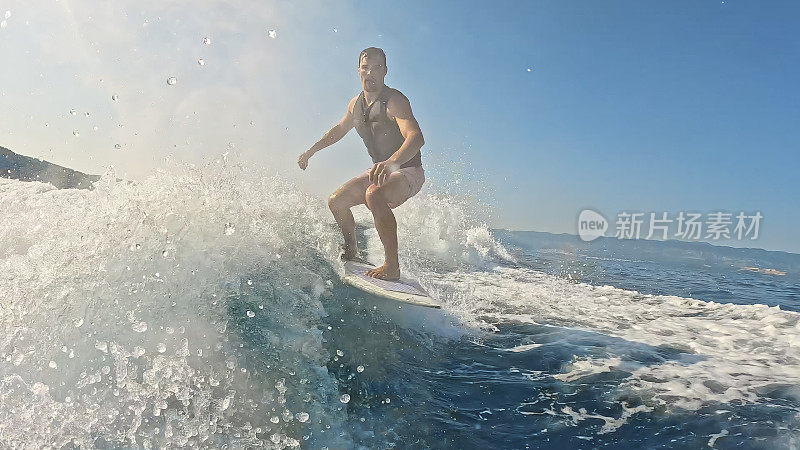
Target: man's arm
400, 108
333, 135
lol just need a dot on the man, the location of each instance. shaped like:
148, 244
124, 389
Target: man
383, 118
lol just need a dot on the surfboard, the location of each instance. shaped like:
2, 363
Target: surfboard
405, 290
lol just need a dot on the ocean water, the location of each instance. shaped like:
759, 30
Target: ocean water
202, 307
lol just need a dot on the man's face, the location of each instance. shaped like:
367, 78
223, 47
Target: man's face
372, 71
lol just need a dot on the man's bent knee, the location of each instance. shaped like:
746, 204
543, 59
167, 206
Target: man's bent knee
375, 196
341, 201
334, 202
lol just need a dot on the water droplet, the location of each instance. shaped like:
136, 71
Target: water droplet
161, 347
75, 133
139, 327
73, 112
260, 306
249, 282
3, 24
8, 14
250, 313
335, 30
86, 114
388, 400
272, 33
229, 229
46, 124
95, 128
172, 81
53, 365
345, 398
115, 97
339, 353
274, 419
165, 253
302, 417
201, 61
117, 146
77, 322
360, 369
207, 40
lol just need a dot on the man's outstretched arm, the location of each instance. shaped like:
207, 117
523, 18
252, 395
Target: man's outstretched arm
333, 136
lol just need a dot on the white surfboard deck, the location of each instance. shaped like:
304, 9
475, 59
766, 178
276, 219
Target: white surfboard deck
405, 290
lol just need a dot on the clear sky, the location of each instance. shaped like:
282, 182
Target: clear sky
628, 105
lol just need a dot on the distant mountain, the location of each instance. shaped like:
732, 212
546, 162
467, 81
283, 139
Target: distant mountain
654, 250
25, 168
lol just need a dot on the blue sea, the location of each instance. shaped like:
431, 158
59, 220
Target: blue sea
202, 308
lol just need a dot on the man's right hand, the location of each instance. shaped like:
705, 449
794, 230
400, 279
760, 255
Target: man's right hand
302, 161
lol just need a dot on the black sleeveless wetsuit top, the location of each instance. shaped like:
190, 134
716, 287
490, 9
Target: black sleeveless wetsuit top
380, 134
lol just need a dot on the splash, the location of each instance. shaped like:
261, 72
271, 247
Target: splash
124, 313
186, 309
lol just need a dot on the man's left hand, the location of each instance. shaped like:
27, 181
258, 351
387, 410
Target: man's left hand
380, 172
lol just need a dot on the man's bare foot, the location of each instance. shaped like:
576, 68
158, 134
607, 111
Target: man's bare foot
384, 273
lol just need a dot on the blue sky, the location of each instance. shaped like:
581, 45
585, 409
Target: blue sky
638, 105
630, 105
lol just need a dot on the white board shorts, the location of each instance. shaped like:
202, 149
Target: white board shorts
415, 178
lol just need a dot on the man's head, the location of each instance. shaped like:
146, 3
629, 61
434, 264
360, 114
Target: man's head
372, 68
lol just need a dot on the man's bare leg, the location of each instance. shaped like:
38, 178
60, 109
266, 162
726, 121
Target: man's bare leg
340, 202
344, 217
386, 224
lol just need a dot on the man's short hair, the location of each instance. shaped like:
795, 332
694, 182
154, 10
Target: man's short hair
372, 51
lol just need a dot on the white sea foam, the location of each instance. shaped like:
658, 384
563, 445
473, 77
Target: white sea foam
723, 352
135, 281
114, 321
583, 367
610, 423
